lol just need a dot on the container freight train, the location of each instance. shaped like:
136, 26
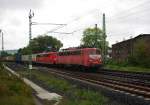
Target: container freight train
85, 57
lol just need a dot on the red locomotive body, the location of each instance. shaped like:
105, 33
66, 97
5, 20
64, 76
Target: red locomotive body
47, 58
87, 57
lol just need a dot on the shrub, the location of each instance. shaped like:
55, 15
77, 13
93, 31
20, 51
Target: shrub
141, 54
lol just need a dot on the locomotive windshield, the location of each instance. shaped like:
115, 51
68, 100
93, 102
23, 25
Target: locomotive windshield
97, 51
94, 52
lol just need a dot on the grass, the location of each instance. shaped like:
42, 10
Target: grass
126, 68
75, 95
13, 91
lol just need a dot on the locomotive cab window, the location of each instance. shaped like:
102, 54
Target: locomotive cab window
93, 52
76, 52
45, 55
68, 53
38, 55
97, 51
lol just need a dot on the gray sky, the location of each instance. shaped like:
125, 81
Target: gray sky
124, 18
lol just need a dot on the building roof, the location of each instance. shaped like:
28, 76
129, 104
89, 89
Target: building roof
139, 36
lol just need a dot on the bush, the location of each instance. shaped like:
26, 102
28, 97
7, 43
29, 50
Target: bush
141, 54
1, 66
113, 62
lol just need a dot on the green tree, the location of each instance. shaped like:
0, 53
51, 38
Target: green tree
41, 44
4, 53
93, 37
24, 50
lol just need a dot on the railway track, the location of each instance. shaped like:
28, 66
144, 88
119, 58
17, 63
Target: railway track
126, 74
118, 81
142, 79
120, 85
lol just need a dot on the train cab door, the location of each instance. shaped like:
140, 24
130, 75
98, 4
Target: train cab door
85, 57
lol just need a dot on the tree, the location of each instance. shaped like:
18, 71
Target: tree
24, 50
4, 54
93, 37
42, 44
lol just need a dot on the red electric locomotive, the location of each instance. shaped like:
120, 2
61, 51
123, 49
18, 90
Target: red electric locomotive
87, 57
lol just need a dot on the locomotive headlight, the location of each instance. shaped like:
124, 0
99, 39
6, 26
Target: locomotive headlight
90, 60
95, 57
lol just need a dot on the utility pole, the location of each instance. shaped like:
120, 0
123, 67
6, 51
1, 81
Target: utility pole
31, 14
0, 35
104, 37
96, 35
2, 42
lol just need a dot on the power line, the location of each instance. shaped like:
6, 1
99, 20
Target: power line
61, 32
118, 34
132, 15
133, 8
66, 32
69, 22
130, 11
36, 23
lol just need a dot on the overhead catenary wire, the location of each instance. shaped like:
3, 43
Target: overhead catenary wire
131, 13
128, 11
67, 32
36, 23
61, 32
136, 15
69, 22
129, 20
118, 34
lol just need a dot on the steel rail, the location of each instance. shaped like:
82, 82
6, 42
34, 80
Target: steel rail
126, 87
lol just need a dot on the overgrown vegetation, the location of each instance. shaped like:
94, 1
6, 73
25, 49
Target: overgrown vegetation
138, 61
4, 54
125, 66
77, 96
141, 54
13, 91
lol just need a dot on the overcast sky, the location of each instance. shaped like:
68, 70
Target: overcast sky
124, 18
